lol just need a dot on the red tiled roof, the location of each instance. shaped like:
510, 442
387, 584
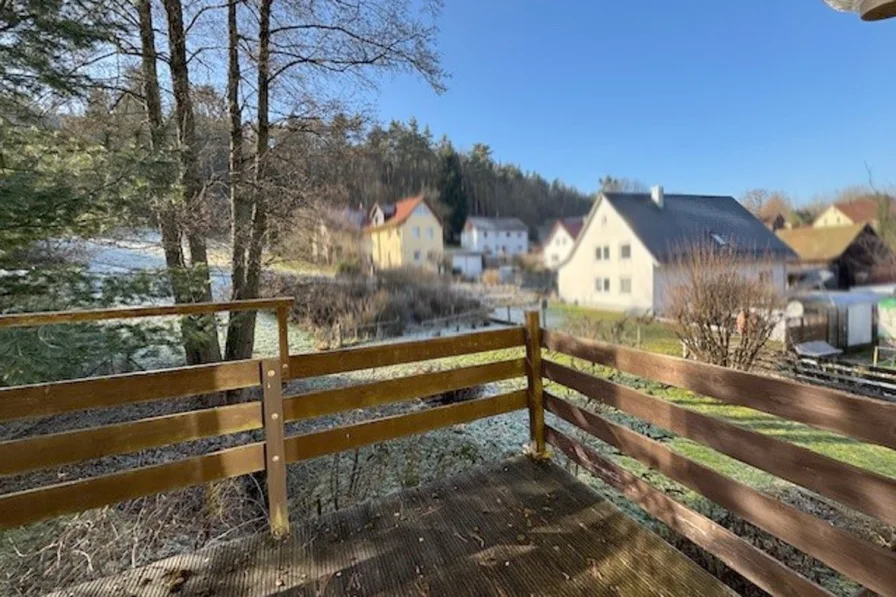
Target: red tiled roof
403, 210
860, 210
573, 226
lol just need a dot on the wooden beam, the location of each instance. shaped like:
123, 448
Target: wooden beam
855, 487
325, 402
862, 418
57, 449
274, 455
534, 386
868, 564
755, 565
340, 439
283, 336
384, 355
41, 400
55, 317
32, 505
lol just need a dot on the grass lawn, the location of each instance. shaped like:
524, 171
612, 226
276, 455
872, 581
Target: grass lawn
656, 336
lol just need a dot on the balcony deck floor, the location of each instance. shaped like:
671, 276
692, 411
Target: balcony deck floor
512, 528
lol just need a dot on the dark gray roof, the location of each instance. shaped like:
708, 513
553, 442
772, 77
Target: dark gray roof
688, 220
497, 223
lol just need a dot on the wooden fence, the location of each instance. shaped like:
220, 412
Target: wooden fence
865, 419
269, 412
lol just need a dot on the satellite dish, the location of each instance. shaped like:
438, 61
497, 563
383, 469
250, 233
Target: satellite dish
794, 310
869, 10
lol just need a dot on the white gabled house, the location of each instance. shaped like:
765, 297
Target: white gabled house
560, 240
495, 236
624, 257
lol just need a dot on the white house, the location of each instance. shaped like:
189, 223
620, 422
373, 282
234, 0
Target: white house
624, 258
495, 236
560, 240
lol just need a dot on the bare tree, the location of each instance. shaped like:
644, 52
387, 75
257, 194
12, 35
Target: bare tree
763, 203
724, 304
298, 43
611, 184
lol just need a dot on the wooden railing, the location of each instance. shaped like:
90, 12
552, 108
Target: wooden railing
270, 412
869, 420
280, 306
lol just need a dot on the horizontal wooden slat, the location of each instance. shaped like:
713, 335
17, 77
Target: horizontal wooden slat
383, 355
46, 399
753, 564
324, 402
862, 418
857, 488
339, 439
56, 317
77, 496
56, 449
870, 565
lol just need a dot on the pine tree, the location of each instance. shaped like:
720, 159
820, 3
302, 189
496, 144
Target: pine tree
451, 192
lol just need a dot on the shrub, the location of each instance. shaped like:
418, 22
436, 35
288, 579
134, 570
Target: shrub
491, 277
348, 268
385, 304
724, 314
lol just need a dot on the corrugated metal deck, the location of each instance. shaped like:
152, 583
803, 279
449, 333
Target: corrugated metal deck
514, 528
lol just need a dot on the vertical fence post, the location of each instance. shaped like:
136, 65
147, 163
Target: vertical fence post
283, 331
533, 373
274, 452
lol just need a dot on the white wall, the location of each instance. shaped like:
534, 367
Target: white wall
558, 248
470, 266
512, 242
577, 278
666, 277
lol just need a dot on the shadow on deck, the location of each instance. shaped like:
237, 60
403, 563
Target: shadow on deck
513, 528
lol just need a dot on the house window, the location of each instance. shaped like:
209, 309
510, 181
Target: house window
508, 235
598, 254
625, 251
606, 284
606, 253
429, 232
599, 285
519, 235
485, 234
603, 220
416, 255
625, 285
416, 231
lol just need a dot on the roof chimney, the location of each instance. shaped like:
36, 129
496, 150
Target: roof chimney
656, 193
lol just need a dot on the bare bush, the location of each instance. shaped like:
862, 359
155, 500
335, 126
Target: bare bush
387, 303
491, 277
724, 304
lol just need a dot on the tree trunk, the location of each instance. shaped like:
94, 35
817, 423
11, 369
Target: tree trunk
168, 220
239, 341
243, 328
201, 340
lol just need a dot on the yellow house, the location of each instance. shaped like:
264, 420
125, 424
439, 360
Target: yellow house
407, 234
863, 210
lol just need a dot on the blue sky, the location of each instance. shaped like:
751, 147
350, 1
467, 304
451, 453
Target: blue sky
778, 94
